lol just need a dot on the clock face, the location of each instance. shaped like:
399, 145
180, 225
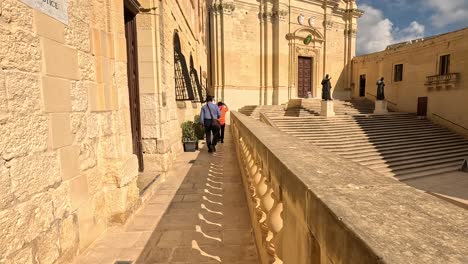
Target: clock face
300, 19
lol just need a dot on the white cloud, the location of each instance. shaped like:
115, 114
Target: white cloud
448, 12
376, 31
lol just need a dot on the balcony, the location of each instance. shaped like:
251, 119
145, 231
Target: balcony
440, 81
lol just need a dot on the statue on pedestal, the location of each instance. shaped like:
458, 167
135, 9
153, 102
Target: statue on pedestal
380, 89
326, 88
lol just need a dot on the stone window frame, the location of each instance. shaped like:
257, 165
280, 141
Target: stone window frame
439, 66
394, 75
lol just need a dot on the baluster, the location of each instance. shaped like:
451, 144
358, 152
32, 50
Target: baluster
275, 226
266, 202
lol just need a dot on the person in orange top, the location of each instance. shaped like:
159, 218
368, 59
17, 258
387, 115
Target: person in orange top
222, 120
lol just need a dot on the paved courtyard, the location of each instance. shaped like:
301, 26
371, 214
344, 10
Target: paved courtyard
198, 215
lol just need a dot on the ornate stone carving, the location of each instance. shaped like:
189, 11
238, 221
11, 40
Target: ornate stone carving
224, 8
328, 24
306, 50
280, 14
352, 32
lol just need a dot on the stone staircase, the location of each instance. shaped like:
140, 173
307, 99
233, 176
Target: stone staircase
397, 144
309, 107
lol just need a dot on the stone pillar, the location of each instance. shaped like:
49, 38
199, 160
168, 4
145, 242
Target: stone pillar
380, 107
327, 108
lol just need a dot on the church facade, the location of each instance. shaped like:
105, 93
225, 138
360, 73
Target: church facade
266, 52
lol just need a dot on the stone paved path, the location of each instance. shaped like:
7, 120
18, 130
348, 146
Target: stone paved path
199, 215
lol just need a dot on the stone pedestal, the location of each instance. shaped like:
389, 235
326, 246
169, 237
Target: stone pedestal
380, 107
327, 109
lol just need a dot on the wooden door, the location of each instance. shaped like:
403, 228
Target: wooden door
362, 85
133, 85
304, 78
422, 106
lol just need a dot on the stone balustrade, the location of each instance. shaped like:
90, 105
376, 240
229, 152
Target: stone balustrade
441, 79
308, 205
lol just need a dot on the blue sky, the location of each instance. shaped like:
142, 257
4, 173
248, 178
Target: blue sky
391, 21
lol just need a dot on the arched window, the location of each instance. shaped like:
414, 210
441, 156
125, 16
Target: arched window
183, 83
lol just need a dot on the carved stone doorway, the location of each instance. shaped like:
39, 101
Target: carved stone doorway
304, 77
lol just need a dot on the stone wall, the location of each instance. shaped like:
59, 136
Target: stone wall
161, 113
67, 170
420, 59
307, 205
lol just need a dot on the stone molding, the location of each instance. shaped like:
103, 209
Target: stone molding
224, 8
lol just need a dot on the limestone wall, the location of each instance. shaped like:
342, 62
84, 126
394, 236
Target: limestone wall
309, 206
255, 47
161, 114
421, 59
67, 168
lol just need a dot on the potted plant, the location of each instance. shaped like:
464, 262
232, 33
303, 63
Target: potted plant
199, 131
188, 136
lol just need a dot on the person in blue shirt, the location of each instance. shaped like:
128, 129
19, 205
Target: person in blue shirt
210, 110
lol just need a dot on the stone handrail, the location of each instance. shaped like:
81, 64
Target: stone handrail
308, 205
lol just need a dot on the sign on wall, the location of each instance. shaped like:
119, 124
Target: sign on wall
54, 8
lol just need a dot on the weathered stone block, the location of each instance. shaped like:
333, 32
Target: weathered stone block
68, 238
79, 96
59, 131
61, 198
78, 191
6, 196
22, 52
59, 60
97, 98
69, 162
148, 101
96, 42
49, 27
27, 134
89, 228
24, 255
149, 117
149, 146
56, 94
23, 92
120, 49
33, 174
48, 247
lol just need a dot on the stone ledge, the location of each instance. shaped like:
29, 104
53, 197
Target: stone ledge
337, 210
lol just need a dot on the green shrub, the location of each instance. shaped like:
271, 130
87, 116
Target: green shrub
188, 131
199, 131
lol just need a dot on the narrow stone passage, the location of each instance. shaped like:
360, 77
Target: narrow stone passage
199, 215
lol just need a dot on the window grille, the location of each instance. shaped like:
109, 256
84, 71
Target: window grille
183, 83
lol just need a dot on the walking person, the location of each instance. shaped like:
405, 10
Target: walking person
209, 115
222, 120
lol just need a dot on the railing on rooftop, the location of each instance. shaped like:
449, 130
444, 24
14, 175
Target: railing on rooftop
308, 205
